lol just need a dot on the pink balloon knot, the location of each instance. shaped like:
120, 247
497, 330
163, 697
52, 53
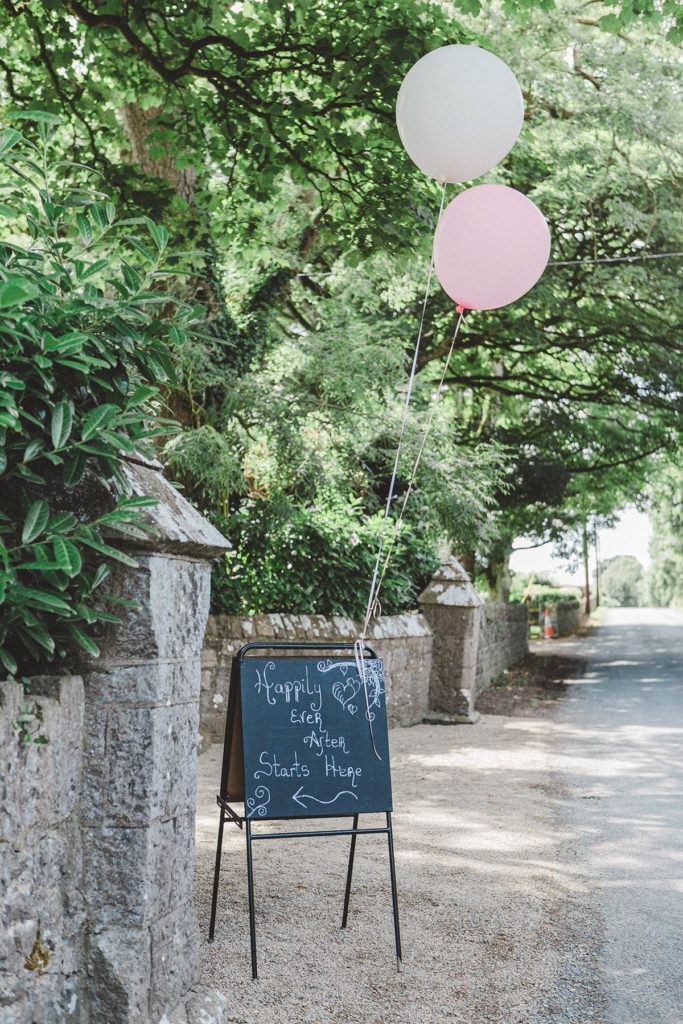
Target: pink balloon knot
460, 309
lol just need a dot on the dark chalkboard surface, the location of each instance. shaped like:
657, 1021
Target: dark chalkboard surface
306, 737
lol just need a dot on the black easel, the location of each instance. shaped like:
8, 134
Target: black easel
232, 787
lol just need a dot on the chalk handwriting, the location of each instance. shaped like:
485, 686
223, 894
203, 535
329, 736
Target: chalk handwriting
305, 726
341, 771
320, 741
272, 767
373, 680
330, 665
306, 718
291, 690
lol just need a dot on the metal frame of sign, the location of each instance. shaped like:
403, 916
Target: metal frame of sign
233, 765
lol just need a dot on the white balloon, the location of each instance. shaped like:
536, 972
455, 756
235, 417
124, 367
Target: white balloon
459, 112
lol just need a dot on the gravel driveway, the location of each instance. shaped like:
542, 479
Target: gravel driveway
494, 926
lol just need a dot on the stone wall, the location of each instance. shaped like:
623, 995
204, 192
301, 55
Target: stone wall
98, 824
42, 915
503, 640
566, 617
404, 642
434, 662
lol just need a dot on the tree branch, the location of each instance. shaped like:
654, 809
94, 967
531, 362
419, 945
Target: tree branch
620, 462
596, 24
120, 23
59, 88
578, 70
531, 547
9, 72
559, 113
13, 11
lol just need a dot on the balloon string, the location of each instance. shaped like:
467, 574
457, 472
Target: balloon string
418, 459
373, 597
413, 371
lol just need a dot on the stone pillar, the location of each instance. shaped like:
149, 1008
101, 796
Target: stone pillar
452, 608
139, 770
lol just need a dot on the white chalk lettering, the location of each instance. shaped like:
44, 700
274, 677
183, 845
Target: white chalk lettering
339, 771
272, 767
292, 690
322, 740
263, 684
305, 718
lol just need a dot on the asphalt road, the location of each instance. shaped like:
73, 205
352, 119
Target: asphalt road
620, 756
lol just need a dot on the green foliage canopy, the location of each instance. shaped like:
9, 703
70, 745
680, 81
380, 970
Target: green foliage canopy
581, 381
267, 130
257, 88
665, 572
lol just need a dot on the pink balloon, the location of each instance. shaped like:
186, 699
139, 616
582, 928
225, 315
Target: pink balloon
491, 246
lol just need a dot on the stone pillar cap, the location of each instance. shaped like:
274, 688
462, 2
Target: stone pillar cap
178, 528
450, 585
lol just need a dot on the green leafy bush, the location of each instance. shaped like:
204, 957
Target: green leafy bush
206, 464
315, 560
82, 353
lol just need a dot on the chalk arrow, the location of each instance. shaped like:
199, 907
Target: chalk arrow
300, 797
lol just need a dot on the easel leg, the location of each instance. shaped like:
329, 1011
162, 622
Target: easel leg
252, 914
349, 874
394, 895
216, 875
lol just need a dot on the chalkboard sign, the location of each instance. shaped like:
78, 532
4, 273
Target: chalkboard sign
307, 737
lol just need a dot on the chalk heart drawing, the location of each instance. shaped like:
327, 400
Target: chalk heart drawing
345, 692
351, 708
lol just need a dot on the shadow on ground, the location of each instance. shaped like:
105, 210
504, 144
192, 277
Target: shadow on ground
493, 928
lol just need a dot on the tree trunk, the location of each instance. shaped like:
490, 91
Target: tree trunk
498, 578
466, 559
137, 126
585, 565
597, 566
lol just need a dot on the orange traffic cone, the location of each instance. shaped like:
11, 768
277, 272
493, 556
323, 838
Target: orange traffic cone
548, 632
